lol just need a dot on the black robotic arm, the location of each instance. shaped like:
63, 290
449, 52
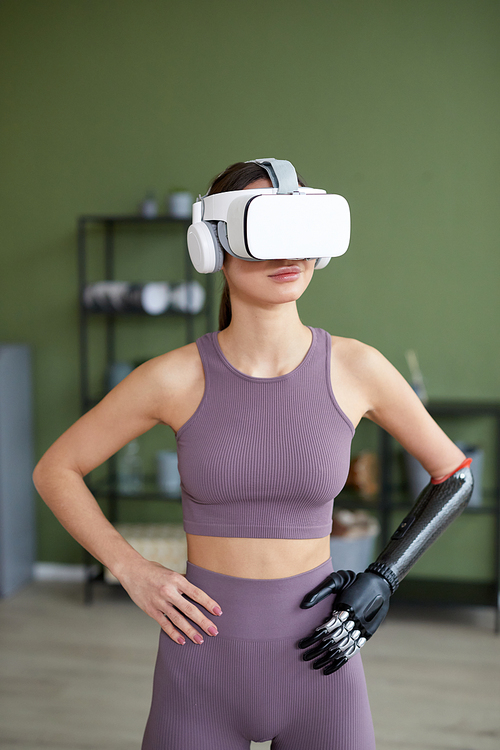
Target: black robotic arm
362, 599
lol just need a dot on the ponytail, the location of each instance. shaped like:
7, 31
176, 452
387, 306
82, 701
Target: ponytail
225, 307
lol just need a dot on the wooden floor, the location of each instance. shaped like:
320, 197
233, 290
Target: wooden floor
75, 677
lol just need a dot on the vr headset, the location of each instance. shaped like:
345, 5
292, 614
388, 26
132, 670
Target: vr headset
282, 222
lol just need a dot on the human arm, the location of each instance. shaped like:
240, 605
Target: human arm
157, 392
362, 600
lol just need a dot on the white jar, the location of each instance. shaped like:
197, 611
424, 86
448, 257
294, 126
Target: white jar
180, 205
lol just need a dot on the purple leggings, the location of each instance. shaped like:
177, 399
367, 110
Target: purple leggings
249, 682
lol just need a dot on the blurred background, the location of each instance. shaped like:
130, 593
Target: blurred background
394, 104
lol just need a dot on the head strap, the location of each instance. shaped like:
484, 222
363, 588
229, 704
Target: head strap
281, 173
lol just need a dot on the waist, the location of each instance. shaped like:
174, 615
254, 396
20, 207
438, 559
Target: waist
257, 558
264, 609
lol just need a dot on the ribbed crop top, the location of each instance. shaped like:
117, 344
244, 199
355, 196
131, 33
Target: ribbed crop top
264, 457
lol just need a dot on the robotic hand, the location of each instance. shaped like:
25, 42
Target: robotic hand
361, 606
362, 599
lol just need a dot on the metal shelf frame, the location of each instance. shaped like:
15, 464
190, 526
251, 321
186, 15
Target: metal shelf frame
109, 224
420, 591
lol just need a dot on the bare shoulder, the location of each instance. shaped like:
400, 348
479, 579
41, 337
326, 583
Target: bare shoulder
360, 361
178, 382
372, 387
166, 389
365, 379
352, 350
368, 372
177, 369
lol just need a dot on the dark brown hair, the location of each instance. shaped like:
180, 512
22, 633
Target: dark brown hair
236, 177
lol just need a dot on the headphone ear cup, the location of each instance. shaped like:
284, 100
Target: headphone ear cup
204, 247
321, 263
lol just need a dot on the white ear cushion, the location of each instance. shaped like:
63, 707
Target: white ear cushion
321, 263
204, 250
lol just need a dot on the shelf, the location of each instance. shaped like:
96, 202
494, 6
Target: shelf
143, 314
463, 408
133, 219
445, 593
104, 489
352, 500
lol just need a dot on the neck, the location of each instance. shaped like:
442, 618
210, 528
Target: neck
265, 342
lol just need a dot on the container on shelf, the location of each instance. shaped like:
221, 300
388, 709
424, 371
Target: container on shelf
152, 297
129, 470
168, 477
353, 538
180, 204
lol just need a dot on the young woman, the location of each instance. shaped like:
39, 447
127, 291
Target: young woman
263, 412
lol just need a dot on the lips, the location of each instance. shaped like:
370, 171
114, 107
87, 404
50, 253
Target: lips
286, 273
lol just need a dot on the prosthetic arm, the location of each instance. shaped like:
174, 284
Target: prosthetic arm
362, 599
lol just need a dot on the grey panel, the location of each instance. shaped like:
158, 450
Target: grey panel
17, 522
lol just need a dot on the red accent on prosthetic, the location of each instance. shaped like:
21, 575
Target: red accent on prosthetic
463, 465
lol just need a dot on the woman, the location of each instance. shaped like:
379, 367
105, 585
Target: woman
264, 412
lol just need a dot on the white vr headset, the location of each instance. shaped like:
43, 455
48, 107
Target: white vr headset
282, 222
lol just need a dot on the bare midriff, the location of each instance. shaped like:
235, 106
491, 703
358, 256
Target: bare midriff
257, 558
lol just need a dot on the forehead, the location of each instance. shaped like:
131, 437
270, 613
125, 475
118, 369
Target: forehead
262, 182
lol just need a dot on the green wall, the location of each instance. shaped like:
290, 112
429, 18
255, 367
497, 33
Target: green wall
392, 103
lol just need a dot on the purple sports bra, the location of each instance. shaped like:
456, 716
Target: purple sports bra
264, 457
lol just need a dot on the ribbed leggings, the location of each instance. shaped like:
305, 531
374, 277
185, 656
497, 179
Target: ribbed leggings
249, 682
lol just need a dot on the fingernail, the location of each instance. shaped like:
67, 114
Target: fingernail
217, 611
212, 630
197, 638
181, 640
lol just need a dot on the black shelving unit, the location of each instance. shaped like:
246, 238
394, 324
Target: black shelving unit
108, 225
447, 592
